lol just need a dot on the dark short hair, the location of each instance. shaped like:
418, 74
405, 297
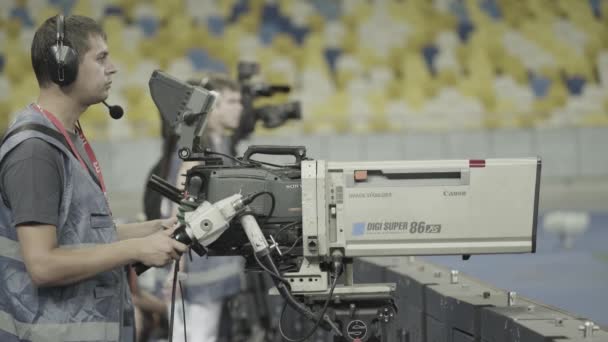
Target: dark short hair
217, 82
77, 30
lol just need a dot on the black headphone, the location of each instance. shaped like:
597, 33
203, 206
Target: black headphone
63, 65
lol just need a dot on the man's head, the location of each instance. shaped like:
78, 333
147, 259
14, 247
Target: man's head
86, 37
228, 109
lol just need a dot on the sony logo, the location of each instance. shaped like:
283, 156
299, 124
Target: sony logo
454, 193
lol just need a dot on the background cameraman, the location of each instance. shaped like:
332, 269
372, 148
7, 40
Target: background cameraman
211, 281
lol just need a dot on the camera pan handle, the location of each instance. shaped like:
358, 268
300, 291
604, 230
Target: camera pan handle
299, 152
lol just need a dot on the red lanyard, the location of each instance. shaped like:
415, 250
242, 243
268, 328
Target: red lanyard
85, 142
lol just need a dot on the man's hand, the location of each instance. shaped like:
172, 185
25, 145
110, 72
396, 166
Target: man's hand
167, 223
159, 248
142, 229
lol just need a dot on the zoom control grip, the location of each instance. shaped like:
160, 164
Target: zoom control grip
182, 236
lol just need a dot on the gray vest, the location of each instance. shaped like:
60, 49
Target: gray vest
212, 278
95, 309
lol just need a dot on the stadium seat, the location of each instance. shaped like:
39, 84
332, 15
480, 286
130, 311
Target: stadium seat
414, 64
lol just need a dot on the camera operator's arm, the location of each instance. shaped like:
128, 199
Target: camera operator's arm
142, 229
51, 265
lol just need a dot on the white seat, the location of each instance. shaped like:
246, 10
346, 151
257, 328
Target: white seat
380, 77
248, 47
144, 10
299, 12
6, 7
602, 66
200, 10
451, 110
142, 72
181, 68
316, 87
35, 6
447, 40
334, 34
571, 35
348, 63
349, 7
505, 87
531, 55
446, 60
131, 37
360, 112
5, 89
358, 87
26, 36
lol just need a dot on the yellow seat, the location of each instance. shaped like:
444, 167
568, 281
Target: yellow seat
416, 82
378, 122
249, 22
17, 65
226, 7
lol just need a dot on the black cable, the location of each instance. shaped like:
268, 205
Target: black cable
175, 271
258, 194
292, 246
267, 163
207, 151
287, 226
314, 328
181, 290
274, 275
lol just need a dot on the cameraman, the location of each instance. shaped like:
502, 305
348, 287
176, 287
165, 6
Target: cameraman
61, 254
211, 281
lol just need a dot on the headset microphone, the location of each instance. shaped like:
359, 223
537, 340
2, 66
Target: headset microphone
116, 112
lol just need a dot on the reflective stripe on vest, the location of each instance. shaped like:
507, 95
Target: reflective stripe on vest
10, 249
213, 275
89, 331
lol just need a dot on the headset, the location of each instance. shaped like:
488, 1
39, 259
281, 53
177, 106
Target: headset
64, 61
63, 64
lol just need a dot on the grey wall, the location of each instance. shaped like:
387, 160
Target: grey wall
568, 155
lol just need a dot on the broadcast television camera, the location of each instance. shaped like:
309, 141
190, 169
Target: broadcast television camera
319, 215
271, 116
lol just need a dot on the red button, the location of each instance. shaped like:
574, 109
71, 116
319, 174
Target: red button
360, 175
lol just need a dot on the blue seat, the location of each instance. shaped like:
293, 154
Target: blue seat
459, 10
429, 52
267, 33
596, 8
23, 15
149, 25
199, 58
111, 10
465, 28
331, 10
539, 84
64, 6
575, 84
216, 25
331, 57
270, 13
217, 67
241, 7
283, 24
299, 34
491, 8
